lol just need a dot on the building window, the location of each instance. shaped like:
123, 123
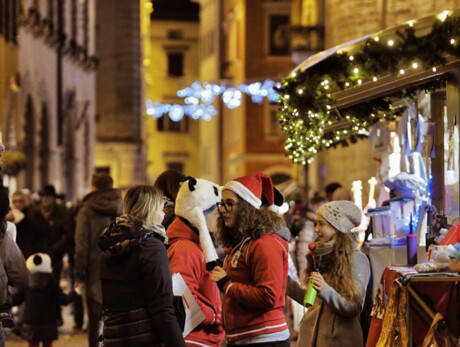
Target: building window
278, 40
175, 64
8, 19
167, 124
102, 169
179, 166
272, 125
174, 34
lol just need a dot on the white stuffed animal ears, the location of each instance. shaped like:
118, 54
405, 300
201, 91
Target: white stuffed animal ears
196, 198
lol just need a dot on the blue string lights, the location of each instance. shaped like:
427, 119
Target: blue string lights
198, 99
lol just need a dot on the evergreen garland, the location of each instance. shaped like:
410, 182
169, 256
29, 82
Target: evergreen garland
307, 114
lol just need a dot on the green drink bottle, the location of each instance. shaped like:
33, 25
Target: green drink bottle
310, 295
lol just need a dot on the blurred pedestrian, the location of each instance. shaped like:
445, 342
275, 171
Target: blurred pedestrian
306, 234
99, 208
58, 228
169, 183
197, 214
253, 277
341, 274
43, 297
330, 189
30, 225
137, 295
13, 270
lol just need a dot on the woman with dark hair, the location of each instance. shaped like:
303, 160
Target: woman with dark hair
341, 273
253, 277
169, 183
136, 281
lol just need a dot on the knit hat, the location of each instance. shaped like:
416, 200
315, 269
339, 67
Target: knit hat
195, 199
39, 262
252, 188
342, 215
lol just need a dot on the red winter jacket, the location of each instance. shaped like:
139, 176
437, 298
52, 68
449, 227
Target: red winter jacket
254, 298
186, 257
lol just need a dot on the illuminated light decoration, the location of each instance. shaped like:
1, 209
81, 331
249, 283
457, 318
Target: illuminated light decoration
199, 95
452, 41
376, 39
177, 112
373, 58
443, 16
232, 98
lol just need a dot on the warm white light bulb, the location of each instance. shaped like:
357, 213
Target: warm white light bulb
434, 69
391, 42
347, 84
351, 58
355, 70
376, 39
411, 23
374, 79
452, 41
415, 65
401, 72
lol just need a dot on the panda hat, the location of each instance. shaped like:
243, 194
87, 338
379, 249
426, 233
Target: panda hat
195, 199
39, 262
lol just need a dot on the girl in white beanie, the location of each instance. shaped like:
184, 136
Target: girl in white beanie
341, 274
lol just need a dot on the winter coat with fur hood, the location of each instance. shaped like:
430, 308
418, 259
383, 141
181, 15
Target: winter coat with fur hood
186, 257
254, 296
98, 210
136, 283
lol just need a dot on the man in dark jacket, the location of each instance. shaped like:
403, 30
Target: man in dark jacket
56, 238
99, 208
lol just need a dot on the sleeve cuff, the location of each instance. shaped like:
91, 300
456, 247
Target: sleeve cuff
222, 283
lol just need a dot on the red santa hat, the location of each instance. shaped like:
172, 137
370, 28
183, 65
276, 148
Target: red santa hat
254, 189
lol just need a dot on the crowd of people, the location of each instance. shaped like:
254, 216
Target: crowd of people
244, 264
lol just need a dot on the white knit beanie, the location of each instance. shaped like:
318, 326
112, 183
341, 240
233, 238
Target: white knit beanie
39, 262
342, 215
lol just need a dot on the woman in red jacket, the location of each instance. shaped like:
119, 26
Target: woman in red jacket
253, 277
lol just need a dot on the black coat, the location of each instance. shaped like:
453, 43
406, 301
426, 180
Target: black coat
31, 232
136, 288
43, 298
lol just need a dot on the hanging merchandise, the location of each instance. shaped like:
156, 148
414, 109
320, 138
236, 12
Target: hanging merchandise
428, 139
451, 154
379, 137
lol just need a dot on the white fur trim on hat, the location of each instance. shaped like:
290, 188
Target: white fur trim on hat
194, 197
342, 215
39, 262
243, 192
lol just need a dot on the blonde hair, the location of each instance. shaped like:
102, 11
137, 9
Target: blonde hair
143, 203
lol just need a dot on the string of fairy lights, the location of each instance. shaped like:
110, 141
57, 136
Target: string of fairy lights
198, 99
307, 96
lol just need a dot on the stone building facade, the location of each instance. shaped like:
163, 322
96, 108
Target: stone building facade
252, 51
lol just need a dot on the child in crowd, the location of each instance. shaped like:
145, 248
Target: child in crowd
42, 297
341, 273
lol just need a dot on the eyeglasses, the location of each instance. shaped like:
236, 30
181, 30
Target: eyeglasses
227, 205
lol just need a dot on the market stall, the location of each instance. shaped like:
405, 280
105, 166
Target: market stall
399, 88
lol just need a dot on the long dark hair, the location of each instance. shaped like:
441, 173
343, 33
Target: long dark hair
249, 222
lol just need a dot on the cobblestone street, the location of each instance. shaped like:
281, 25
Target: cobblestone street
67, 337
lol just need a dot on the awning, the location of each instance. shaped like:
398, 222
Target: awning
354, 84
